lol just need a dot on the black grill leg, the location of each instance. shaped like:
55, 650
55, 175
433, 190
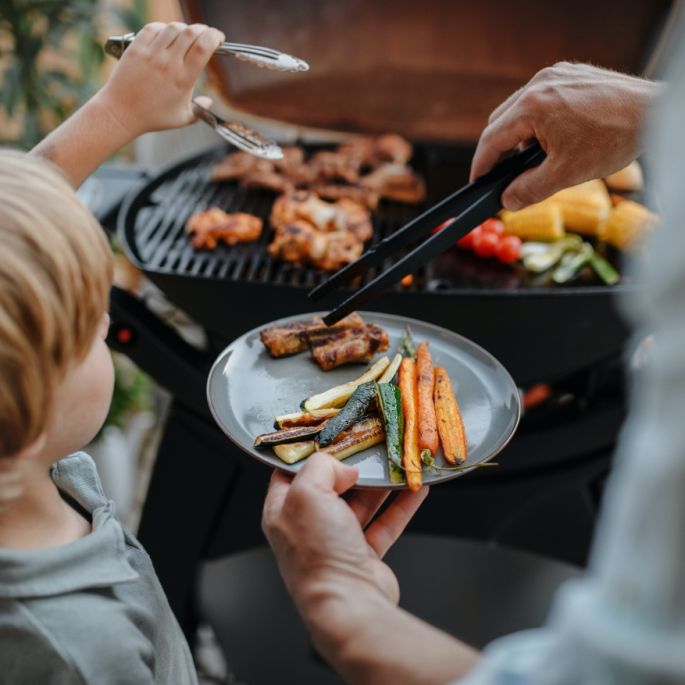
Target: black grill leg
191, 480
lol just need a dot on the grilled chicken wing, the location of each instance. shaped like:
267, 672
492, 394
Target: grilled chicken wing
396, 182
237, 164
332, 191
333, 166
213, 226
372, 151
298, 242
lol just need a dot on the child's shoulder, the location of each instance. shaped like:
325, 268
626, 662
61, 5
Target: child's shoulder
72, 638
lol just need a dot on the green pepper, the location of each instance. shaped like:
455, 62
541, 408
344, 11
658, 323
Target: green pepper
572, 262
604, 270
390, 404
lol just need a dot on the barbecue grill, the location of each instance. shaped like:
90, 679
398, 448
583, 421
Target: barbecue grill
545, 493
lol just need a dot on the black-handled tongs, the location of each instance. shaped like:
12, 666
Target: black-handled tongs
469, 206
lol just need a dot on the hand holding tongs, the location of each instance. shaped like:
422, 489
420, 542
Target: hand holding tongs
469, 206
254, 54
239, 135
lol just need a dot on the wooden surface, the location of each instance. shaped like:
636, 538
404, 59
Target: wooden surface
430, 70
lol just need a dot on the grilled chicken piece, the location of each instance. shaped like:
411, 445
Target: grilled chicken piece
292, 155
373, 151
342, 247
237, 164
270, 180
347, 344
364, 196
396, 182
333, 166
298, 242
213, 226
344, 215
293, 337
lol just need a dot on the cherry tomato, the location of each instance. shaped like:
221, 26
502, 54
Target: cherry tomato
493, 226
485, 244
444, 224
466, 243
508, 249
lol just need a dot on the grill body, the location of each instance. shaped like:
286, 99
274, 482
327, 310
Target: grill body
537, 332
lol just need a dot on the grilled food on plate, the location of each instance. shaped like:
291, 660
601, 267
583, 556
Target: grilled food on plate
351, 340
415, 416
213, 226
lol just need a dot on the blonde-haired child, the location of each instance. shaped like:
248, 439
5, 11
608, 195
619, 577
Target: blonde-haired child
79, 600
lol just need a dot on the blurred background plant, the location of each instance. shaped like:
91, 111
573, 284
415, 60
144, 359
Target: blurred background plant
51, 60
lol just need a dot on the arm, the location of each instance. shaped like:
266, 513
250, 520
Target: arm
588, 121
149, 90
330, 558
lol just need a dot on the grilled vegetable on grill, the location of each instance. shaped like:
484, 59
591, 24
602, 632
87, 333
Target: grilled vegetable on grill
287, 435
572, 262
293, 452
353, 411
450, 424
304, 418
538, 257
604, 270
585, 207
628, 224
627, 179
390, 404
411, 459
360, 437
337, 396
542, 221
428, 430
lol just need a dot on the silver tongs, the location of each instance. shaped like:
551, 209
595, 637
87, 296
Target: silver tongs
254, 54
234, 132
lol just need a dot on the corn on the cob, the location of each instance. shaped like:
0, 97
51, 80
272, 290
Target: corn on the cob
541, 221
585, 207
628, 224
628, 179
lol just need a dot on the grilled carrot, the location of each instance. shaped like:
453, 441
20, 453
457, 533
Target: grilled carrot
428, 429
450, 425
410, 458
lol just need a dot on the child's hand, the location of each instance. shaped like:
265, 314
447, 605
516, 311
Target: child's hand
151, 88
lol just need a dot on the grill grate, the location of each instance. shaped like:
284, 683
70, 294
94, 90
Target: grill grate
160, 243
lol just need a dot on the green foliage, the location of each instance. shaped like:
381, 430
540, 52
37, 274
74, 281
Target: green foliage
132, 392
50, 59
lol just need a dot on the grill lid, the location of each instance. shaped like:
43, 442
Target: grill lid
433, 70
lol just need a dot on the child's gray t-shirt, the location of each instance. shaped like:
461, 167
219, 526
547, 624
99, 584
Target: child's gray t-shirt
91, 611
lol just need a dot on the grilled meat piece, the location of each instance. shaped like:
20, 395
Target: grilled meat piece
332, 191
292, 338
344, 215
372, 151
298, 242
281, 341
237, 164
333, 166
292, 155
396, 182
271, 180
347, 344
213, 226
342, 247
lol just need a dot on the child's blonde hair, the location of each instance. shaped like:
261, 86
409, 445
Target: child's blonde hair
55, 275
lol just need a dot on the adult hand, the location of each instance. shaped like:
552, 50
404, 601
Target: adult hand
327, 546
588, 121
329, 552
151, 87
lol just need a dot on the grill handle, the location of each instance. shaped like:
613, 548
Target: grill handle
154, 346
